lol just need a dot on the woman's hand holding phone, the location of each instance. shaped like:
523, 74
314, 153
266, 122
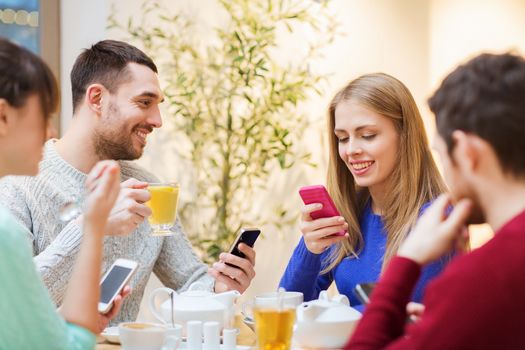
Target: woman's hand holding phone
320, 234
104, 319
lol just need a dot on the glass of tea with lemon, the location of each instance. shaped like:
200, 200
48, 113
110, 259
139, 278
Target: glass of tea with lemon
163, 205
274, 327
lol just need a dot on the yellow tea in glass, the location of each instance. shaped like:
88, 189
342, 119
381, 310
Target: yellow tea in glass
163, 204
274, 328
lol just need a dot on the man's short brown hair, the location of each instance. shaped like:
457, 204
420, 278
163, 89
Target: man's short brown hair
105, 63
486, 97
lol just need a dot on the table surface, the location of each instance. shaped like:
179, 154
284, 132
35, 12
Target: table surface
246, 337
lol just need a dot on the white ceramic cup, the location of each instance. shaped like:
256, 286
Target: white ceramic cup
149, 336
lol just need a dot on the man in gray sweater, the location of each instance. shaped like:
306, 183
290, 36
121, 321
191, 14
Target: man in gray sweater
116, 93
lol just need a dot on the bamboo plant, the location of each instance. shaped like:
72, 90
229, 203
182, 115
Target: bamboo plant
235, 106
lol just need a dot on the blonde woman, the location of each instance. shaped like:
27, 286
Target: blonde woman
381, 176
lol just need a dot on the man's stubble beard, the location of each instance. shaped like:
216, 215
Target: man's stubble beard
114, 144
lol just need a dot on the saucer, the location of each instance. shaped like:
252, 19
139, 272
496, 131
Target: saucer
184, 346
111, 335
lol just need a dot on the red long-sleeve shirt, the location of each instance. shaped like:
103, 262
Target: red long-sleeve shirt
477, 303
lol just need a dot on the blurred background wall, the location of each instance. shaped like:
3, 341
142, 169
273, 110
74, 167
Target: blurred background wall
417, 41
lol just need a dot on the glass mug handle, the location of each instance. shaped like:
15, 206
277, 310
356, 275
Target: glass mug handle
156, 311
247, 311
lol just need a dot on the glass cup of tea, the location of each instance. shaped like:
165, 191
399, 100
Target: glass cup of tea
163, 205
274, 327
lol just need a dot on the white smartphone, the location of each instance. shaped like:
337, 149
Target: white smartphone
113, 281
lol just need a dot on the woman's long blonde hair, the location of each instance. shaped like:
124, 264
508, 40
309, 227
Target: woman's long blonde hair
414, 181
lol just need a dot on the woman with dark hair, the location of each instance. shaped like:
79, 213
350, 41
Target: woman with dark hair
28, 317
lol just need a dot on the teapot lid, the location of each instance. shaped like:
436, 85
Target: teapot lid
326, 309
339, 314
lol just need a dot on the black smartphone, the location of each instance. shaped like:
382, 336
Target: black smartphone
363, 291
247, 236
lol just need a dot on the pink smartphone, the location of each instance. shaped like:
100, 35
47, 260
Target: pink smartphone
319, 194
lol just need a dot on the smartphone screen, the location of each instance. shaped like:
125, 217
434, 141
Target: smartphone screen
112, 283
247, 236
363, 291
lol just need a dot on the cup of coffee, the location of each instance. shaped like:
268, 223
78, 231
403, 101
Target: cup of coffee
149, 336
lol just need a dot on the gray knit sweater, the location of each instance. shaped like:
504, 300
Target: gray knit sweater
35, 202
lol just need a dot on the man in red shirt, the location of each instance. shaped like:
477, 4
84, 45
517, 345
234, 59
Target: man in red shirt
479, 300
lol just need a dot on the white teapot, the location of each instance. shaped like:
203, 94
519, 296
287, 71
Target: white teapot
195, 305
325, 323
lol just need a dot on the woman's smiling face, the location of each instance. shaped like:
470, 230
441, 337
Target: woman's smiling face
368, 144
